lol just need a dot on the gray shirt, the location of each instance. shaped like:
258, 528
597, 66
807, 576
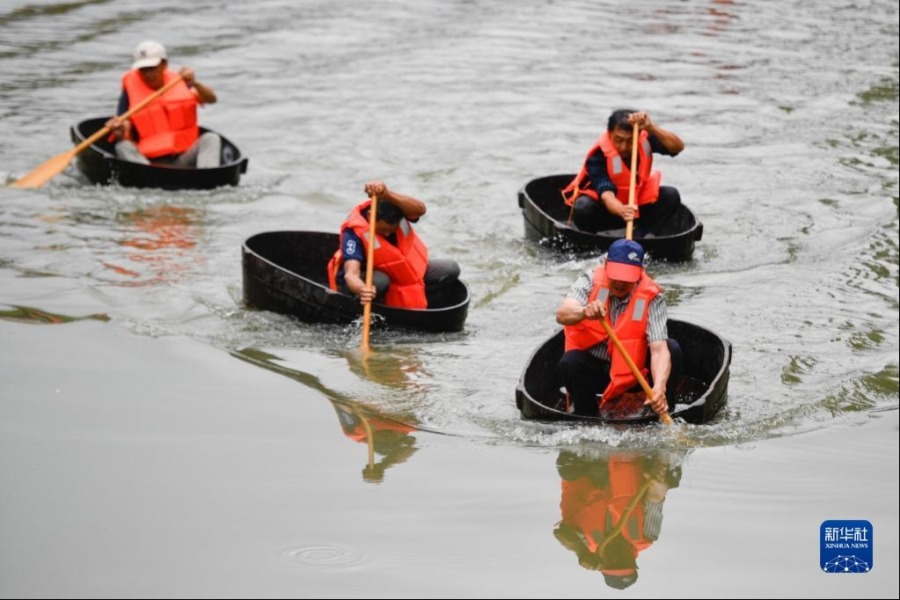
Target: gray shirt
657, 330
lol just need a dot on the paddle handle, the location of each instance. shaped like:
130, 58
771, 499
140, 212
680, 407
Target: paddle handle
370, 271
370, 439
624, 518
139, 106
664, 417
575, 193
629, 226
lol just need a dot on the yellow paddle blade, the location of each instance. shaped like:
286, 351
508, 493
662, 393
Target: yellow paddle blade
45, 172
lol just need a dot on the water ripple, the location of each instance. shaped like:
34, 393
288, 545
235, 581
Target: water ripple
327, 556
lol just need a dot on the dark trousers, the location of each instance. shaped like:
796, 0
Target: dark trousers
591, 215
585, 376
439, 275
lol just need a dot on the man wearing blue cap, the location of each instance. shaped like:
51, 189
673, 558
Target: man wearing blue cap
591, 364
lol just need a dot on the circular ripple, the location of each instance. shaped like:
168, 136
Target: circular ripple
323, 556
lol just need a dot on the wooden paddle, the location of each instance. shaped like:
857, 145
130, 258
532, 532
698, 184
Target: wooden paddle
664, 417
56, 165
606, 539
575, 195
370, 436
629, 226
370, 273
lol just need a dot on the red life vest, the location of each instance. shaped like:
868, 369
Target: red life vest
352, 424
647, 181
593, 510
630, 328
169, 124
404, 263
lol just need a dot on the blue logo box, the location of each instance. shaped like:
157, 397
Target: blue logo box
846, 546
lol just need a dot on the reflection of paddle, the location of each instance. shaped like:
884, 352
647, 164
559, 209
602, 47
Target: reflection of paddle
56, 165
664, 417
370, 273
624, 518
370, 438
634, 144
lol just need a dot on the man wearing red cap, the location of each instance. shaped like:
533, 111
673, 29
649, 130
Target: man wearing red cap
166, 131
618, 287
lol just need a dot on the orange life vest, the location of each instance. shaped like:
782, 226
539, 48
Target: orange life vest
404, 264
630, 328
647, 181
593, 510
353, 427
169, 124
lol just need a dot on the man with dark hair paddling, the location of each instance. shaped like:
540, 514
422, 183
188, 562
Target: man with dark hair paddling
592, 363
600, 191
404, 275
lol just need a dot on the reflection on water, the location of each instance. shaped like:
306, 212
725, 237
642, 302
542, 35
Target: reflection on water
388, 436
162, 227
395, 367
612, 508
28, 314
162, 238
384, 436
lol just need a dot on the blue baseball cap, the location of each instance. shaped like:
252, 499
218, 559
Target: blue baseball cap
620, 582
625, 261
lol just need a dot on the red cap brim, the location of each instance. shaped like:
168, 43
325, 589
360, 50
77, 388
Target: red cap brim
621, 272
619, 572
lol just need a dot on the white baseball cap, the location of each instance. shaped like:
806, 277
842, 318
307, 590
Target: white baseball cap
148, 54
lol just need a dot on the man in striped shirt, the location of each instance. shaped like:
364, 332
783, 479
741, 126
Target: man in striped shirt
591, 364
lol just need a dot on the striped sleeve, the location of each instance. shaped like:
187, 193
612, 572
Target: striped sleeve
652, 519
581, 289
657, 329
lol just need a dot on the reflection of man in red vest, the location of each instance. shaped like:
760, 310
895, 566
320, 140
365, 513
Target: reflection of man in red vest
612, 510
600, 191
165, 131
405, 276
384, 436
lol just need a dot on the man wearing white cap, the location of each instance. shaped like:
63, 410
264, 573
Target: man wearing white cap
166, 130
